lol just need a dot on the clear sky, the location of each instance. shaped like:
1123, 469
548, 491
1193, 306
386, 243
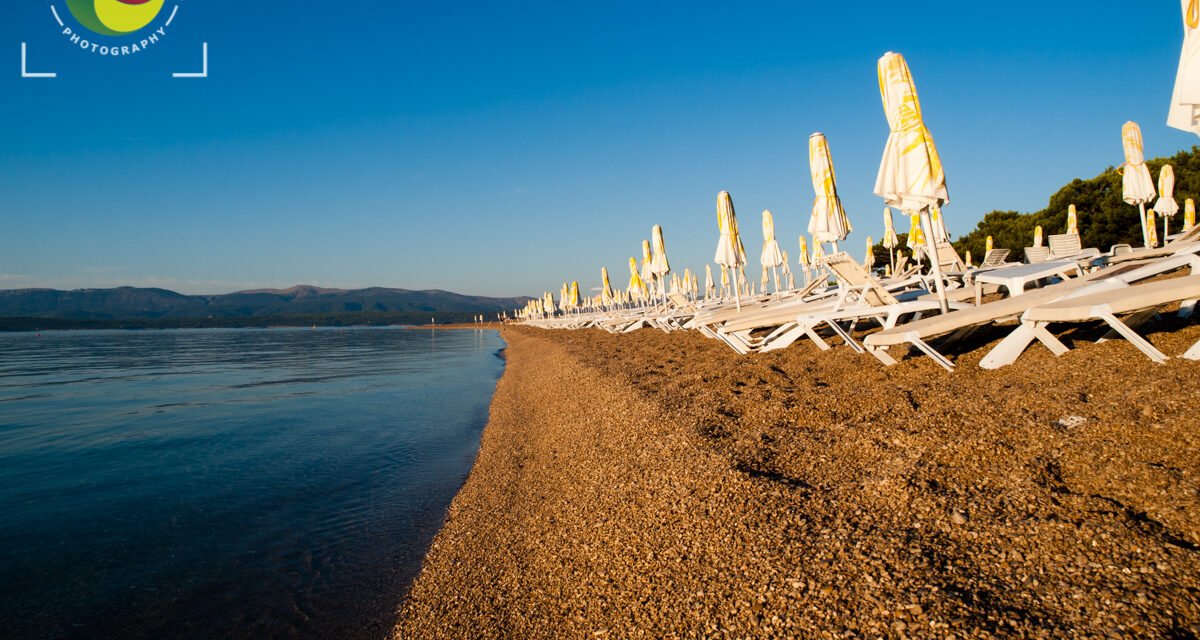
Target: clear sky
501, 148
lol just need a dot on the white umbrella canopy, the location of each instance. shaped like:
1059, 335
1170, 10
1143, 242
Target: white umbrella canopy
911, 177
771, 255
647, 261
1189, 214
1185, 99
661, 266
730, 252
710, 289
829, 222
1166, 205
1136, 185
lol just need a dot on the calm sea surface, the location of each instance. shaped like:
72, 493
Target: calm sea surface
228, 483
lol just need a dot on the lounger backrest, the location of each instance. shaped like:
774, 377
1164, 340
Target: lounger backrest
852, 275
1036, 254
903, 262
994, 258
1118, 249
948, 258
1191, 235
1065, 244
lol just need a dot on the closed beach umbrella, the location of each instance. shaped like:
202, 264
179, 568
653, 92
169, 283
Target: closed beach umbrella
1185, 100
1072, 220
916, 235
869, 260
606, 292
829, 222
661, 266
726, 287
1166, 205
710, 288
1189, 214
730, 252
647, 262
818, 254
910, 176
967, 258
1136, 185
1037, 236
771, 256
890, 239
940, 234
637, 286
1151, 229
574, 293
988, 245
805, 260
764, 279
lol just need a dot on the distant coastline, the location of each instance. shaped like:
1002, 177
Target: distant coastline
460, 319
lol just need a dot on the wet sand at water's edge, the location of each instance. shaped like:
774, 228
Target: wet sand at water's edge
659, 485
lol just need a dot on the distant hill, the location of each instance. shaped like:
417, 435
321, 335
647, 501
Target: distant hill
142, 304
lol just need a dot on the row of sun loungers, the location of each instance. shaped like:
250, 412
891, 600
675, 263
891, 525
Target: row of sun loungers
1121, 289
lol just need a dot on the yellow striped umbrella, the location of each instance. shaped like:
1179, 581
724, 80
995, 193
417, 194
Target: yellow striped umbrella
784, 266
1151, 229
916, 235
1185, 100
828, 222
939, 225
647, 261
574, 297
1166, 205
890, 239
911, 177
967, 259
1189, 214
606, 292
1037, 236
730, 252
637, 286
818, 253
710, 288
869, 260
805, 260
1136, 185
988, 245
1072, 220
695, 286
725, 281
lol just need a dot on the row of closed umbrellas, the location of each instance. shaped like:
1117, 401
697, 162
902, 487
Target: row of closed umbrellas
910, 178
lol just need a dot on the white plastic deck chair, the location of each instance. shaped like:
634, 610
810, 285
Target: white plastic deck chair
1138, 303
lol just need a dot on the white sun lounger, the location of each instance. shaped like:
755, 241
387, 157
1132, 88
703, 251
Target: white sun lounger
1140, 301
958, 323
1016, 277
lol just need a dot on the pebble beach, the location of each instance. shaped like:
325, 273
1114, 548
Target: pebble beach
660, 486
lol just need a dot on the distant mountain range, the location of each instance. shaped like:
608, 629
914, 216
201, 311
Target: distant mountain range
141, 304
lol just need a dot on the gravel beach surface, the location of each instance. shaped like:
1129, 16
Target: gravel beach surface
660, 486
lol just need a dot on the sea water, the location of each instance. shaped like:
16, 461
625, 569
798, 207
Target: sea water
280, 483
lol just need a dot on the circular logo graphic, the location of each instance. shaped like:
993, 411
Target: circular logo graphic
115, 17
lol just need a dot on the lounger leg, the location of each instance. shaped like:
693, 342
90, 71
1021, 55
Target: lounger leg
881, 355
811, 332
783, 339
1193, 353
933, 354
1009, 349
1134, 339
1052, 343
846, 336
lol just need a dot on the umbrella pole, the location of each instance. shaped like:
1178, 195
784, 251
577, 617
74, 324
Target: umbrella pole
892, 258
1166, 229
775, 274
737, 290
1142, 218
940, 286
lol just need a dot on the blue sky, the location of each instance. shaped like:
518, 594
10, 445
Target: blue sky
501, 148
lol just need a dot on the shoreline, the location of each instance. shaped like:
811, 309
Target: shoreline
650, 485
